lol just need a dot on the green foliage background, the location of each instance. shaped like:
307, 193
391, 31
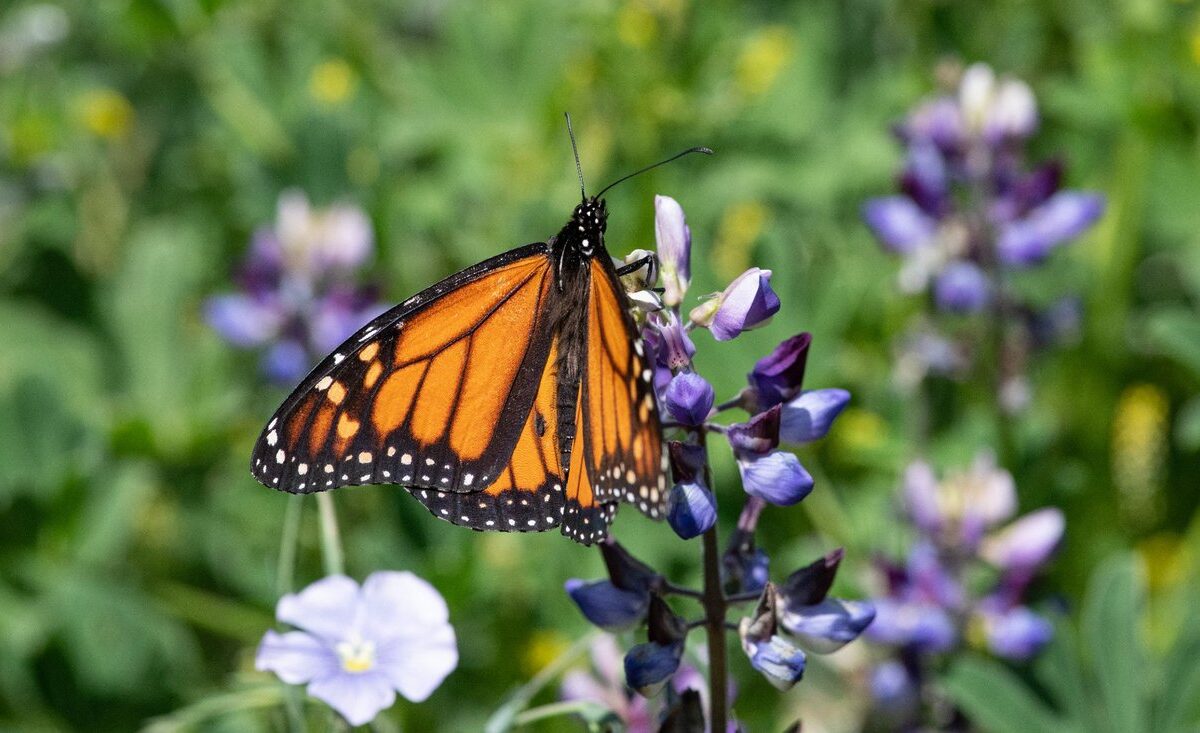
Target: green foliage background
137, 153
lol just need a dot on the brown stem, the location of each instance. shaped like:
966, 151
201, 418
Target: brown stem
714, 615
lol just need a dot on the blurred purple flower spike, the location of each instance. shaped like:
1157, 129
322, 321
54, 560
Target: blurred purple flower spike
899, 223
1015, 633
747, 303
962, 287
674, 240
358, 647
1025, 545
1066, 215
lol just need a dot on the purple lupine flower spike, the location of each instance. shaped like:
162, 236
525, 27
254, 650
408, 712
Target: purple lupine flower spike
747, 303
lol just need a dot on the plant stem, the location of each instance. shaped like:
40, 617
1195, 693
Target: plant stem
285, 571
331, 541
714, 613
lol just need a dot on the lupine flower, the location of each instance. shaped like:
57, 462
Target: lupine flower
933, 603
674, 240
622, 601
689, 398
356, 647
691, 507
649, 666
776, 658
821, 624
747, 303
770, 474
970, 142
298, 297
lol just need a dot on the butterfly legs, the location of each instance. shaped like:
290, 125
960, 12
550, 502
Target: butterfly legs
650, 262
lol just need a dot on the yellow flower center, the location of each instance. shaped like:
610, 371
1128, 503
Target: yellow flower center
357, 655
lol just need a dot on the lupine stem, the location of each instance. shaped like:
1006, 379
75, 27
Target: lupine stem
714, 612
285, 571
331, 541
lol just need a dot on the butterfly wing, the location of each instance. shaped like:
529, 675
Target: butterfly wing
435, 394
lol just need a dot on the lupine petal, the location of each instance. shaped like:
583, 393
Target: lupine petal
892, 687
808, 416
295, 657
606, 605
757, 436
781, 663
778, 376
1026, 543
649, 666
357, 697
327, 608
1017, 633
923, 626
962, 288
938, 121
286, 361
691, 510
921, 499
674, 240
1066, 215
689, 398
828, 625
748, 302
899, 223
243, 320
776, 477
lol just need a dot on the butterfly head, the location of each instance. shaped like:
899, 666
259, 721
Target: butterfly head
588, 222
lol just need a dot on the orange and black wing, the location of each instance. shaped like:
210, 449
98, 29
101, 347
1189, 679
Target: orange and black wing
620, 442
437, 394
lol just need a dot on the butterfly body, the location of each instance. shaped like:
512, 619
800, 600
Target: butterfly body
512, 396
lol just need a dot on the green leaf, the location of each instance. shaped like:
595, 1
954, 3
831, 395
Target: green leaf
1060, 669
1178, 707
1109, 631
995, 699
1175, 332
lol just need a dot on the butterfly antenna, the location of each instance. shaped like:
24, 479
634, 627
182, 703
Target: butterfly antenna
575, 150
676, 156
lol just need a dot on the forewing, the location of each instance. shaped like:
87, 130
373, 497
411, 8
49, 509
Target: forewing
432, 394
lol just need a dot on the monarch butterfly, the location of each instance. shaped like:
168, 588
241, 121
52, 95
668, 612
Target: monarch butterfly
514, 395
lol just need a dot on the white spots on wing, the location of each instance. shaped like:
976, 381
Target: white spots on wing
324, 383
512, 522
272, 423
272, 438
302, 469
646, 374
391, 451
490, 523
468, 478
280, 456
328, 468
387, 474
337, 358
366, 335
364, 457
429, 461
365, 477
345, 477
406, 459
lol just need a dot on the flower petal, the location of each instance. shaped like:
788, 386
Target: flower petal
357, 697
674, 240
1066, 215
809, 416
923, 626
1017, 633
400, 604
691, 510
286, 361
1026, 543
921, 499
748, 302
416, 665
961, 287
689, 398
327, 608
649, 666
899, 223
242, 320
777, 659
295, 657
778, 376
776, 477
606, 605
828, 625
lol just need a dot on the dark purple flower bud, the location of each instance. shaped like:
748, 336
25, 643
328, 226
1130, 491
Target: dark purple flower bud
810, 584
827, 626
244, 321
1066, 215
747, 303
1016, 633
771, 654
606, 605
685, 714
776, 477
626, 571
757, 436
1035, 188
809, 415
778, 376
687, 461
674, 249
924, 179
922, 626
649, 666
746, 569
899, 224
691, 509
664, 625
286, 361
961, 287
1023, 546
689, 398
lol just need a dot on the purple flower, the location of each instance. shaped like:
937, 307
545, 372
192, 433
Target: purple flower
962, 287
747, 303
1023, 546
893, 687
1066, 215
359, 646
606, 605
938, 122
776, 658
996, 110
691, 509
649, 666
778, 376
1015, 633
772, 475
920, 625
829, 625
689, 398
899, 223
674, 240
809, 415
673, 348
606, 686
244, 320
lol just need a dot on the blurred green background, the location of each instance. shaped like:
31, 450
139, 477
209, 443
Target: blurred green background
142, 141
